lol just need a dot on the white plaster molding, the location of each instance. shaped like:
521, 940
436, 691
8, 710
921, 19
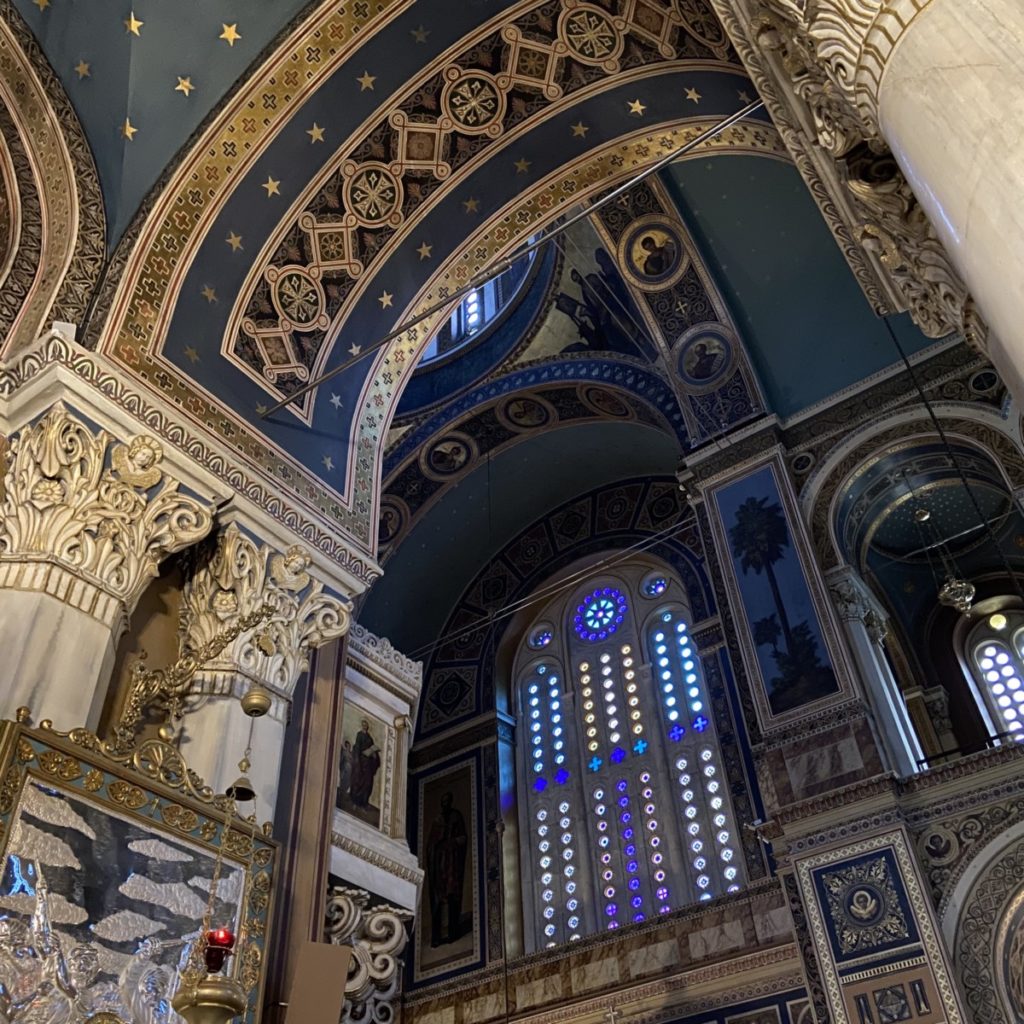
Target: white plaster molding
242, 576
55, 368
78, 503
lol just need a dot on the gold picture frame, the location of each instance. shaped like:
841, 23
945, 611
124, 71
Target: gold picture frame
141, 806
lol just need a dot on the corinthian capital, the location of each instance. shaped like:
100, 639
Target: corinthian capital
77, 502
238, 576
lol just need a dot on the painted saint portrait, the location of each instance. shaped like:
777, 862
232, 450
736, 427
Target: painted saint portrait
652, 254
448, 456
703, 359
363, 751
448, 917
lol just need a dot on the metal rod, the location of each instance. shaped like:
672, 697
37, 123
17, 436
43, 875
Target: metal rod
500, 266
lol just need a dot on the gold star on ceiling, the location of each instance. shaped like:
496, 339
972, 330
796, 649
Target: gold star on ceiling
209, 294
522, 165
132, 24
41, 4
191, 355
316, 133
420, 34
354, 350
744, 96
636, 108
366, 81
261, 409
425, 250
579, 130
471, 205
384, 299
84, 69
692, 94
128, 130
184, 85
336, 401
328, 463
230, 33
271, 186
235, 241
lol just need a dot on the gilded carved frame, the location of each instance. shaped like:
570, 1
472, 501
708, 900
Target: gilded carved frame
151, 787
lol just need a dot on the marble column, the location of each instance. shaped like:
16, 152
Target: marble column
233, 576
864, 624
85, 521
951, 105
942, 83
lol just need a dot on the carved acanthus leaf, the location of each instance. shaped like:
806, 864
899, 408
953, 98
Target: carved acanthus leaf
820, 48
104, 510
240, 576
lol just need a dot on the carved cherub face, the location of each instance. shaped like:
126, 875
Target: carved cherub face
296, 559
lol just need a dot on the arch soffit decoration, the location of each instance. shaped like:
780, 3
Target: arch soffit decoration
972, 918
167, 243
974, 426
57, 237
637, 409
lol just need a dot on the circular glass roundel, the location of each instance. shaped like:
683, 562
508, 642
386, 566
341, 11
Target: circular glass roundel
600, 614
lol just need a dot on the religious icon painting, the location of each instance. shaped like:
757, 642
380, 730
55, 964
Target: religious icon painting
365, 763
705, 355
651, 253
447, 928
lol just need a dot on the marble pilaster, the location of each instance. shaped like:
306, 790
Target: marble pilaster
85, 520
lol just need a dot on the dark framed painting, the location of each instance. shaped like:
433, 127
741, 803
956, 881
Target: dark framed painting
366, 761
448, 924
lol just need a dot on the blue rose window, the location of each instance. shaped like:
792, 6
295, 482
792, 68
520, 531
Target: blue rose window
600, 614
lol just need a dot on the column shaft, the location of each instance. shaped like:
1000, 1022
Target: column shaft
951, 107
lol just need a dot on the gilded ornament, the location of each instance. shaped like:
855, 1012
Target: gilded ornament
93, 780
181, 818
124, 793
25, 751
53, 762
10, 789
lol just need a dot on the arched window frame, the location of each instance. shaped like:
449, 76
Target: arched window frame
991, 682
664, 800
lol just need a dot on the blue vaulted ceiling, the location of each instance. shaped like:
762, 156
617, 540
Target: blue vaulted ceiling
113, 71
145, 78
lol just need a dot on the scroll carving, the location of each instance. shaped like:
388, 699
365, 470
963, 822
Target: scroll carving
832, 73
102, 510
235, 579
378, 938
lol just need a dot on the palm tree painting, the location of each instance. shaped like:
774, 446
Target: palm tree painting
784, 626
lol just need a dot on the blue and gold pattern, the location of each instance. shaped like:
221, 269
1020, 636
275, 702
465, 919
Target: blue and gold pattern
867, 913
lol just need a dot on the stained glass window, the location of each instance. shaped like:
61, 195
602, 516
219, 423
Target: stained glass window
629, 812
995, 650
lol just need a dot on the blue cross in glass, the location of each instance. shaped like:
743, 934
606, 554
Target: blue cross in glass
700, 723
561, 776
540, 785
595, 763
676, 733
640, 746
617, 755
